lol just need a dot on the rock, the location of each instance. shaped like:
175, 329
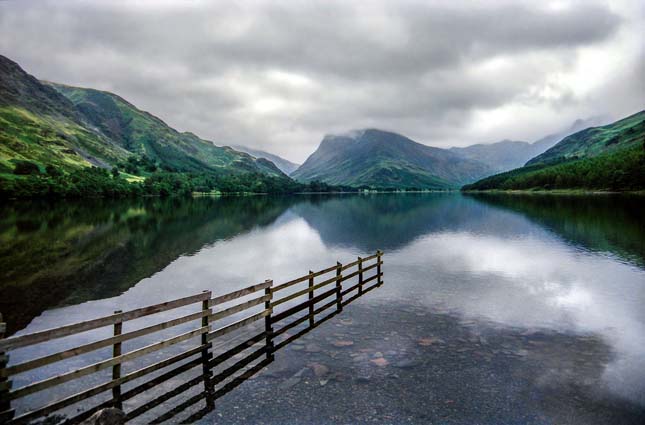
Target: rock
342, 343
377, 355
109, 416
319, 369
380, 362
425, 342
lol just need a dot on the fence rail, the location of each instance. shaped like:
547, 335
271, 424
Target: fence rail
259, 343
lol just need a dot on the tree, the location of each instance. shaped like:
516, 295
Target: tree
52, 171
115, 172
26, 168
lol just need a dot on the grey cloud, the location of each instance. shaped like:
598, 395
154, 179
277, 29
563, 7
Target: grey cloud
408, 66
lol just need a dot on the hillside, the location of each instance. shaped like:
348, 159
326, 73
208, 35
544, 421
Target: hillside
39, 124
284, 165
382, 159
611, 157
70, 127
596, 140
142, 133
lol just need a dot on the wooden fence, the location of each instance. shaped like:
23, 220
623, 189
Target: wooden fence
271, 311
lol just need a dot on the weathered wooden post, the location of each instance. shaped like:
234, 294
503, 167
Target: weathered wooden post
360, 275
6, 412
339, 287
311, 297
116, 369
206, 370
268, 324
378, 267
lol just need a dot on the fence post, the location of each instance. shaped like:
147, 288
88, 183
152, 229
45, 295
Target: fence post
311, 297
268, 325
206, 370
378, 267
360, 275
6, 413
116, 369
339, 287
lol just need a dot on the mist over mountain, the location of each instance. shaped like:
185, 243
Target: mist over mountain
510, 154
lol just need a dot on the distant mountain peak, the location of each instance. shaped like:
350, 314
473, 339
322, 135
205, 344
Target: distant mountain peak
379, 158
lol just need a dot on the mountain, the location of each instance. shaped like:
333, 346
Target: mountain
500, 156
142, 133
596, 140
508, 154
37, 123
73, 128
608, 157
284, 165
382, 159
549, 141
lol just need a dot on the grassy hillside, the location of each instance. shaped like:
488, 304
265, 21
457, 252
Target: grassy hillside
382, 159
144, 134
596, 141
611, 157
40, 125
58, 140
620, 170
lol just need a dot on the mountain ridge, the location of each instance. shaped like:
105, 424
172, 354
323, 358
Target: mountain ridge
610, 157
72, 128
377, 158
283, 164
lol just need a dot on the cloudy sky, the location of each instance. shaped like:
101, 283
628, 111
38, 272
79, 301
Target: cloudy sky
279, 75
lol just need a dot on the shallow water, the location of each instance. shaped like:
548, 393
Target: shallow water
495, 309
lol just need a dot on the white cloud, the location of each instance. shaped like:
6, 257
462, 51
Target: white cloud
279, 75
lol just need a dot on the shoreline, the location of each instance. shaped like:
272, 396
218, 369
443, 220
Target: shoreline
584, 192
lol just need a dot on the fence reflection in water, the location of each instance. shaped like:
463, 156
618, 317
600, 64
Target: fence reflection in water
237, 335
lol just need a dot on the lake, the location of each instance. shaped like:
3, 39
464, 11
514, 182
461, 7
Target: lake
495, 308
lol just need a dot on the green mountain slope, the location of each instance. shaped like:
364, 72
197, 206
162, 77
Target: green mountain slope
142, 133
40, 125
383, 159
73, 128
596, 140
610, 157
283, 164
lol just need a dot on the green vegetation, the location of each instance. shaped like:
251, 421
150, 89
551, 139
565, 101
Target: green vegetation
60, 141
147, 136
625, 133
618, 171
601, 158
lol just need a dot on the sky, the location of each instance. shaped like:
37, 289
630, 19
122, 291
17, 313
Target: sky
280, 75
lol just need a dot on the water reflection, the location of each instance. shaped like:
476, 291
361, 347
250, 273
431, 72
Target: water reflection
71, 252
567, 265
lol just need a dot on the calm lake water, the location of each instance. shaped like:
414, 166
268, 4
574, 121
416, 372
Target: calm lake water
495, 309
